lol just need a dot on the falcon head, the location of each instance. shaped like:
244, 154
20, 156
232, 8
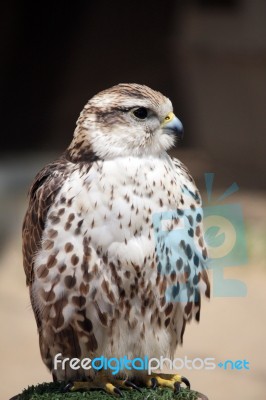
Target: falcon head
125, 120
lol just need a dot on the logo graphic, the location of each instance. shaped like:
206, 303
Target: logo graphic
224, 234
179, 247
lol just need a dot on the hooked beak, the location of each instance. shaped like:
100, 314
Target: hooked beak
172, 125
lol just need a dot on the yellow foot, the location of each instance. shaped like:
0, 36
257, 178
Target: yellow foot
108, 384
166, 380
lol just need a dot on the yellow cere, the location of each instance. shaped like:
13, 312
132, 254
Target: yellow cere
168, 117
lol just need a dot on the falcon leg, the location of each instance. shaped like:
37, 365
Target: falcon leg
172, 381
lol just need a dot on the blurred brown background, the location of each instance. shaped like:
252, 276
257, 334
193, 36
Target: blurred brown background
209, 58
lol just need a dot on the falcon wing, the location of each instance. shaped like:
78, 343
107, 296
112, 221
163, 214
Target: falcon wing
42, 193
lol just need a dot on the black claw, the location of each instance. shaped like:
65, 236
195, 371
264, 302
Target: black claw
177, 387
185, 381
131, 384
154, 383
118, 391
68, 387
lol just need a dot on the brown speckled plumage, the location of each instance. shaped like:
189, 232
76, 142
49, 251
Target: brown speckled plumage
97, 284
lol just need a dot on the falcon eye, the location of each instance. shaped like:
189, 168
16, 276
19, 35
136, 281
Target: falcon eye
141, 112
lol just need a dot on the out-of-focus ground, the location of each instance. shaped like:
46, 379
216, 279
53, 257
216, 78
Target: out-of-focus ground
230, 328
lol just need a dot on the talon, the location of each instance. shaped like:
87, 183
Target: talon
185, 381
177, 387
133, 386
118, 392
154, 383
68, 387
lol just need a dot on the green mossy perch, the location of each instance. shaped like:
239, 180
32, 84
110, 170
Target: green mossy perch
54, 391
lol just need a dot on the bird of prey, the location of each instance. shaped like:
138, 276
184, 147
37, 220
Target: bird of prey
113, 245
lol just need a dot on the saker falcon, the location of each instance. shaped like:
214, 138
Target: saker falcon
113, 245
